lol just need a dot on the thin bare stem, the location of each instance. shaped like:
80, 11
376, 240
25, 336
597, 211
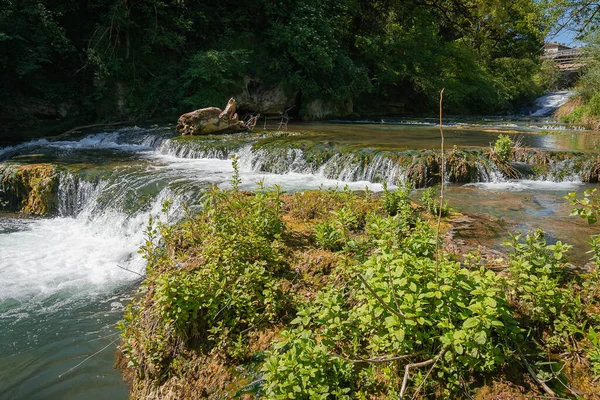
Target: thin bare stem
380, 300
536, 378
375, 359
417, 365
128, 270
424, 380
87, 358
441, 207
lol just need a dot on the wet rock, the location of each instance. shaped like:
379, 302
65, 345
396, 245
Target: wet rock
31, 189
211, 120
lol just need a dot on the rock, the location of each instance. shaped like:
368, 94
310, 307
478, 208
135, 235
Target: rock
211, 120
257, 97
31, 189
321, 109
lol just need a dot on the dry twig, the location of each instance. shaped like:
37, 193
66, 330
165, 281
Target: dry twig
398, 313
417, 365
439, 221
536, 378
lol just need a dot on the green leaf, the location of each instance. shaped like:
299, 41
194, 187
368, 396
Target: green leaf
490, 302
458, 348
480, 337
470, 323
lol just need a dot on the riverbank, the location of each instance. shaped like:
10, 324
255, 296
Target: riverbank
334, 293
577, 112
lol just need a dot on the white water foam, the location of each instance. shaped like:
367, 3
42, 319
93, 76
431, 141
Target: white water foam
551, 101
527, 185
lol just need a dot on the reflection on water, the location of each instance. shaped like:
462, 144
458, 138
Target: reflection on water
526, 206
412, 136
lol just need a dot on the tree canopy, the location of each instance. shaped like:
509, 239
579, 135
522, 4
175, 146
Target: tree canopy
157, 58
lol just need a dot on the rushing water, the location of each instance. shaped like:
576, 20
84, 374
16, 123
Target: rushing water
65, 280
550, 102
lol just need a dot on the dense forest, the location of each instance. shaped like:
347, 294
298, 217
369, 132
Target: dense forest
79, 61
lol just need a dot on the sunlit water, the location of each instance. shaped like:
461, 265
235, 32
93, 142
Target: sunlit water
64, 281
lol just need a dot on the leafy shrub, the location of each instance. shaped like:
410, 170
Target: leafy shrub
302, 368
431, 202
593, 106
594, 352
394, 200
536, 270
386, 231
214, 277
577, 116
329, 236
394, 307
588, 207
503, 148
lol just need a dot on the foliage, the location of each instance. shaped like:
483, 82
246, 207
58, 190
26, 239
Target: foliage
159, 58
503, 148
394, 201
536, 271
588, 207
353, 292
463, 316
550, 75
431, 202
594, 353
213, 278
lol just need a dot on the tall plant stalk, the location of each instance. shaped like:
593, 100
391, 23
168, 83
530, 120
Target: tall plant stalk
439, 221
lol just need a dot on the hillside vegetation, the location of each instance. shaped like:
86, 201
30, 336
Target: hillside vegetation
67, 62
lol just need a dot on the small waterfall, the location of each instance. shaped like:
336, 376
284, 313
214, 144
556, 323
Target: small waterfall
346, 166
488, 172
75, 193
193, 150
550, 102
372, 166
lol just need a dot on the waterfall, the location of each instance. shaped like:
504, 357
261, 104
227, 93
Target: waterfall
74, 194
550, 102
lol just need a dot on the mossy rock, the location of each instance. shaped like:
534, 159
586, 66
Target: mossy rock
31, 189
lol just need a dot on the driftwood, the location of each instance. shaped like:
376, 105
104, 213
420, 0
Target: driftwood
251, 121
285, 118
211, 120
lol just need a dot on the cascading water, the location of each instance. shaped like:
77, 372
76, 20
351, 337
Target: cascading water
550, 102
65, 280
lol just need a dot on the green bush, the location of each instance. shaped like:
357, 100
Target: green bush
536, 270
393, 201
214, 277
503, 148
593, 105
395, 307
431, 202
329, 236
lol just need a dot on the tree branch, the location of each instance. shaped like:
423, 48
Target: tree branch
380, 300
417, 365
536, 378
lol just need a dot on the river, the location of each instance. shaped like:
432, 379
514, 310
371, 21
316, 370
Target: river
65, 280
